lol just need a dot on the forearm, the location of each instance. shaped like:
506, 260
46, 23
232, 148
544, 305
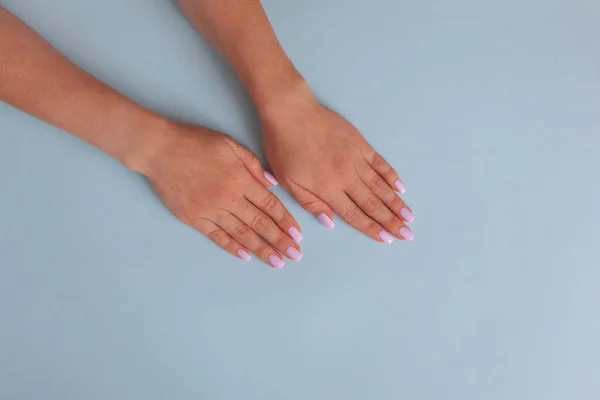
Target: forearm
241, 32
37, 79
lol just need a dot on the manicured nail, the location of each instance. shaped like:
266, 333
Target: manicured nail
407, 214
295, 234
406, 233
294, 253
325, 220
244, 255
386, 237
275, 261
271, 178
399, 186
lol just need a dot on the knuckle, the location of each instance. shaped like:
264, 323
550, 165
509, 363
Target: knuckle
309, 206
389, 196
375, 183
254, 161
370, 203
268, 203
373, 227
391, 219
261, 249
241, 231
351, 214
379, 163
259, 222
278, 240
218, 236
376, 159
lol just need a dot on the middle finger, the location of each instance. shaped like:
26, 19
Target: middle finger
374, 207
269, 204
264, 226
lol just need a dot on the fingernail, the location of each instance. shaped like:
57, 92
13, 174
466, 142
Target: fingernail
295, 234
325, 220
294, 253
244, 255
406, 233
407, 214
399, 186
275, 261
271, 178
386, 236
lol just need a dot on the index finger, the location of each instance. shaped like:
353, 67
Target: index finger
385, 170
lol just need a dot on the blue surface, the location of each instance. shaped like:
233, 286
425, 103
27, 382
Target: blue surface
489, 110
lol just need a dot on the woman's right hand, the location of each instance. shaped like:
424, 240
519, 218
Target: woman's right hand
217, 186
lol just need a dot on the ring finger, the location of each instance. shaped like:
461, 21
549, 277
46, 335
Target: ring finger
374, 207
356, 217
263, 225
241, 232
381, 189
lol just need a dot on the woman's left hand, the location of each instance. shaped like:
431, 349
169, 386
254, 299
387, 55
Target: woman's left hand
327, 165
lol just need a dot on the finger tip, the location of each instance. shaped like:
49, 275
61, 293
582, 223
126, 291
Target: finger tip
406, 234
295, 234
407, 214
269, 176
244, 255
399, 186
294, 253
275, 261
325, 220
386, 237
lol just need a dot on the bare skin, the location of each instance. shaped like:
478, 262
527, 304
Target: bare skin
205, 178
318, 156
212, 183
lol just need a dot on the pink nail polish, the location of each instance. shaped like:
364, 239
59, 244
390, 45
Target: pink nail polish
406, 233
386, 237
295, 234
407, 214
271, 178
294, 253
244, 255
399, 186
275, 261
325, 220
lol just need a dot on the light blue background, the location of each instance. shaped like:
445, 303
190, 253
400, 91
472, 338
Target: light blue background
489, 110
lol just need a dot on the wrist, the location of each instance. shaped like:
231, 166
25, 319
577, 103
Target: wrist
284, 95
150, 135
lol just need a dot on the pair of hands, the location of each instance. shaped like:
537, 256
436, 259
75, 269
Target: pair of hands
217, 186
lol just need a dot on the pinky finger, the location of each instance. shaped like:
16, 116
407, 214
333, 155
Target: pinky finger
222, 238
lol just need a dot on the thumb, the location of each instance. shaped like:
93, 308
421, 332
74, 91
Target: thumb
312, 203
252, 163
